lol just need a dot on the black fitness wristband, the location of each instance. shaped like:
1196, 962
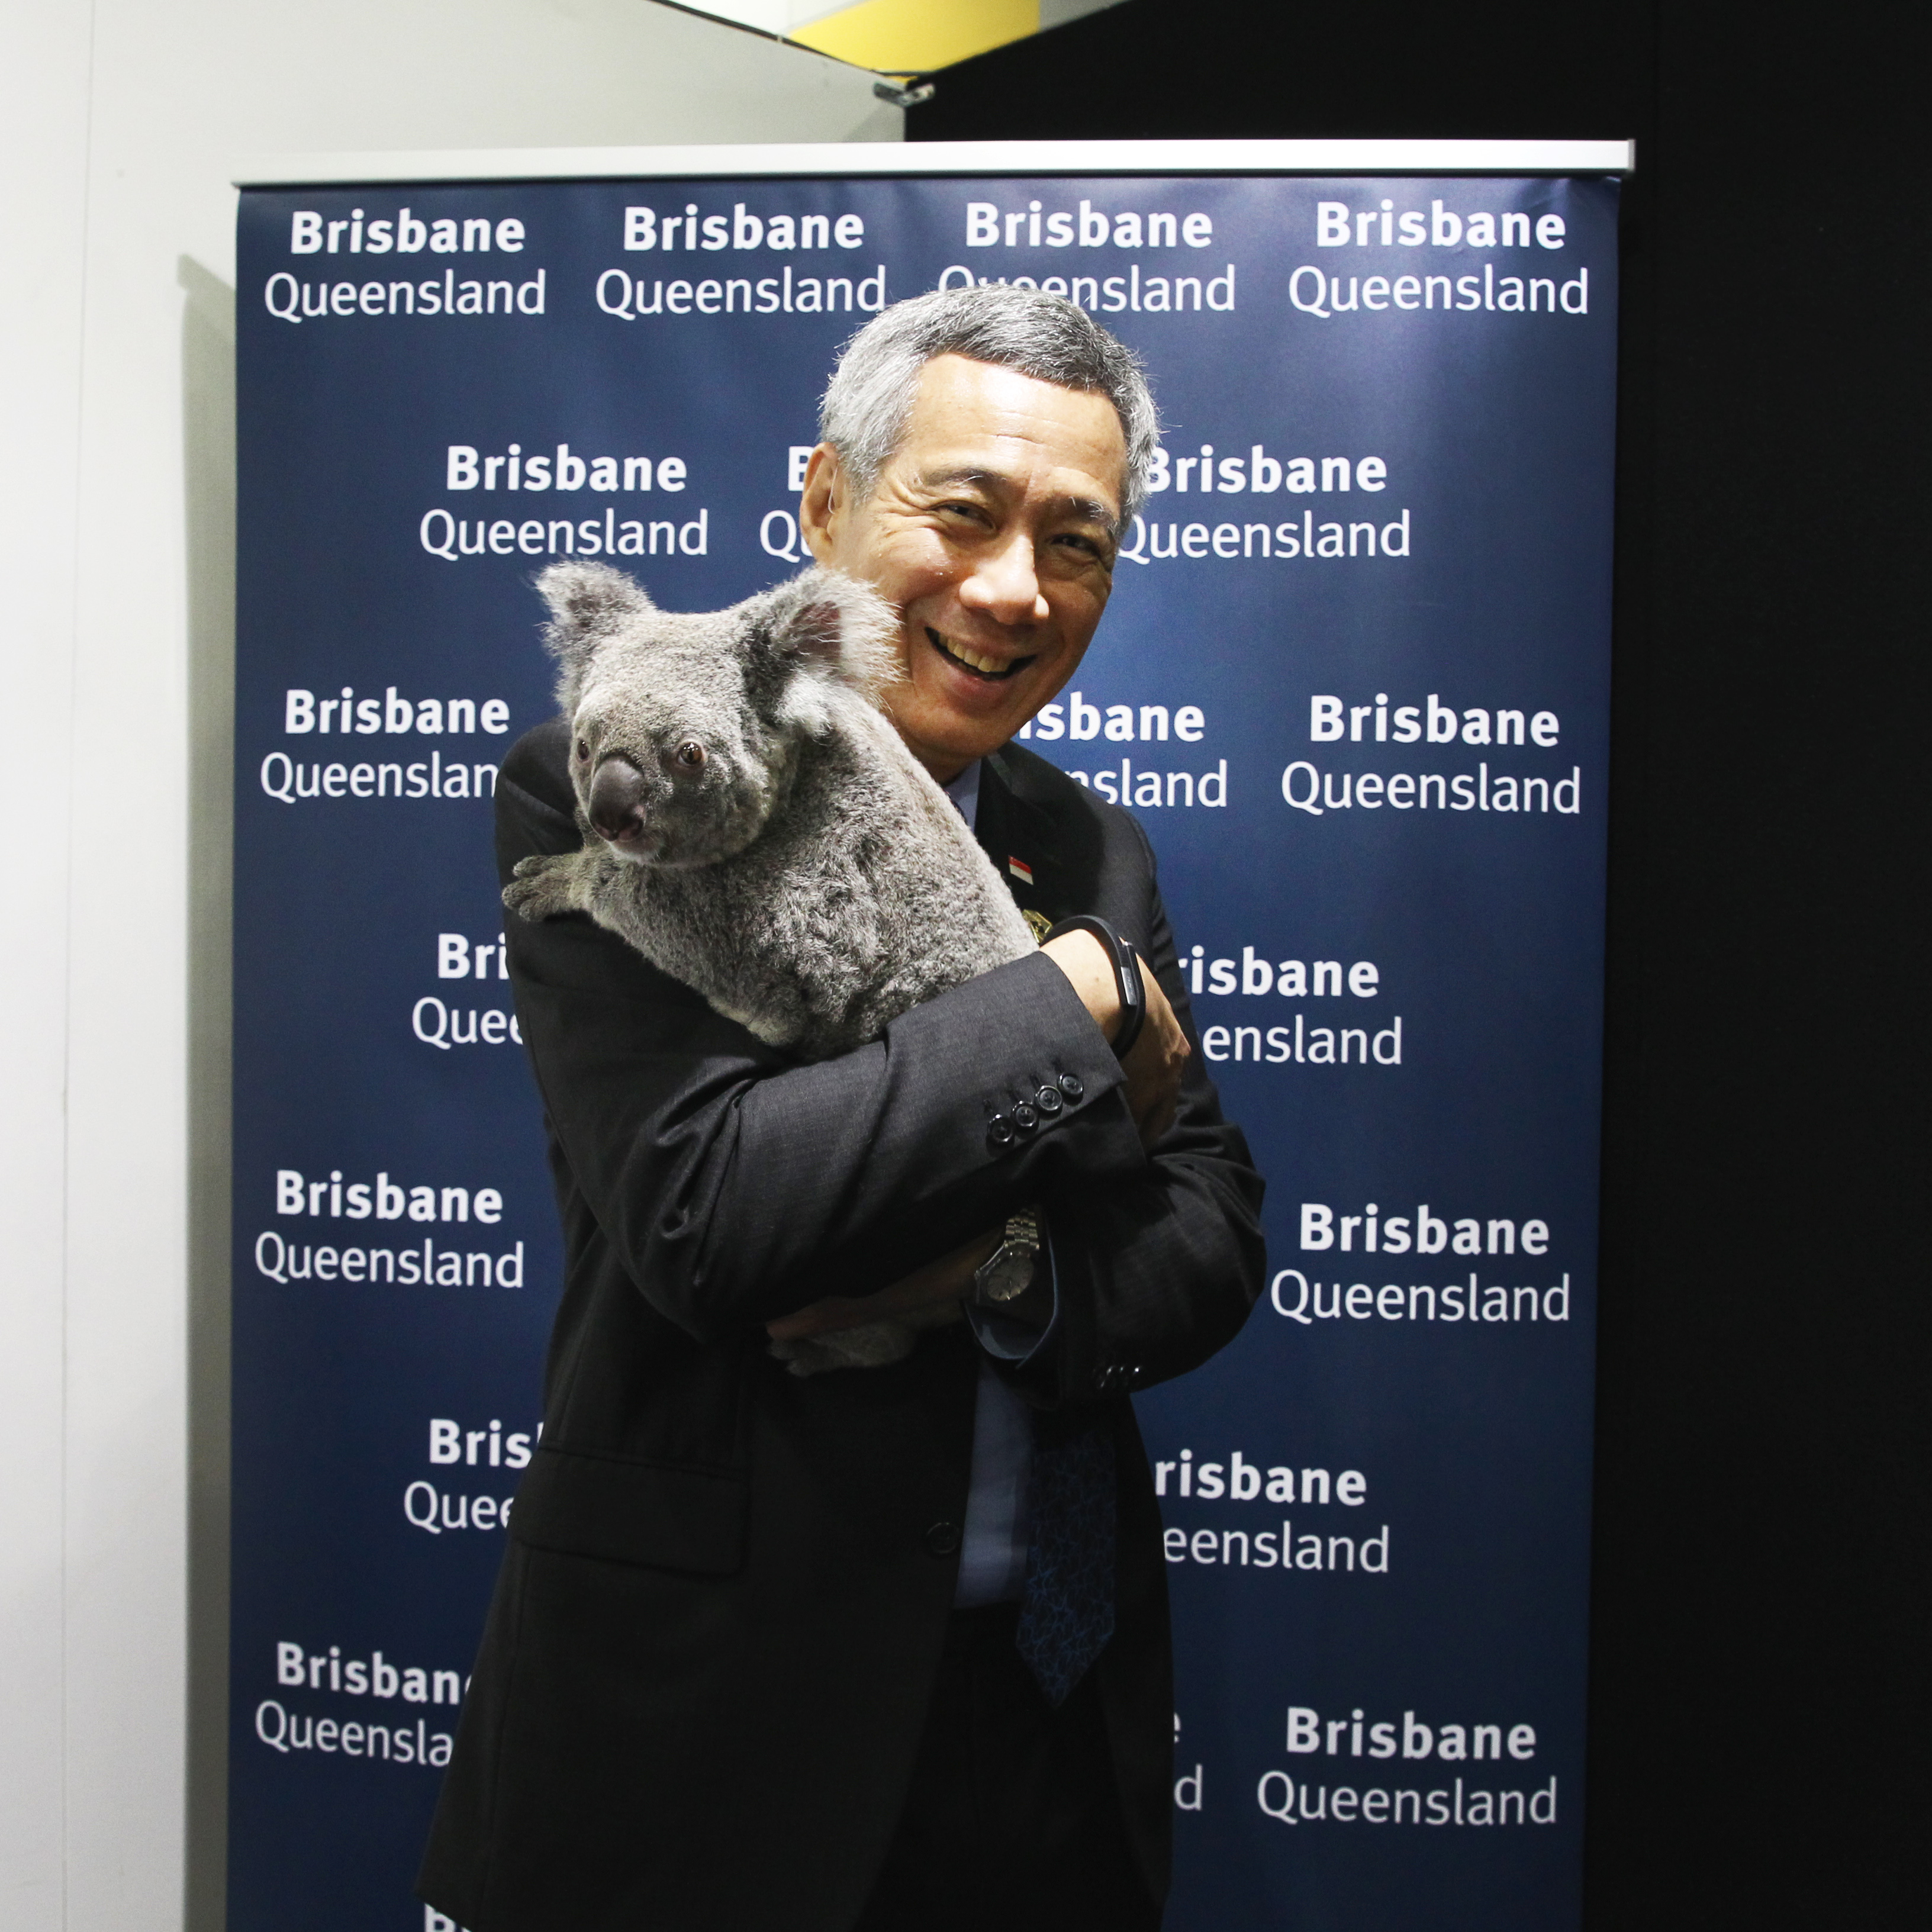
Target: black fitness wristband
1126, 974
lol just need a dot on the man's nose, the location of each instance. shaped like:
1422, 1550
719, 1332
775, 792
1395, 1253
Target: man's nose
617, 800
1005, 583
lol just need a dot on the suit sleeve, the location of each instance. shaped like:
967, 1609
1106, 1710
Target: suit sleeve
1157, 1265
737, 1186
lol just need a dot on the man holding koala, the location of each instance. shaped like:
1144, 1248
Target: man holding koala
879, 1648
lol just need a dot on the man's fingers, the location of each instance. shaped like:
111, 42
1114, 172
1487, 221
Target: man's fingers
1153, 1067
819, 1317
929, 1289
1160, 1013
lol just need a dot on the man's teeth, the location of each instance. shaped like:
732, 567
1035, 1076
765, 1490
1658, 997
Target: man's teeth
989, 667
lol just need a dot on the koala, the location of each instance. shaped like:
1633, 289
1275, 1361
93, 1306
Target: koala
755, 827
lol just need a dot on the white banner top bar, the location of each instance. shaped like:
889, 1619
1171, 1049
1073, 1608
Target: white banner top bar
949, 157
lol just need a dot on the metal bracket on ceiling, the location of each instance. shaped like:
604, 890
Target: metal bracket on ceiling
913, 96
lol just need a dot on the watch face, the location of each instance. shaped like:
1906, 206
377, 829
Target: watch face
1009, 1273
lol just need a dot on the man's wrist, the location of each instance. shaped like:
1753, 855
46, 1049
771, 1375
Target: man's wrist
1130, 987
1089, 967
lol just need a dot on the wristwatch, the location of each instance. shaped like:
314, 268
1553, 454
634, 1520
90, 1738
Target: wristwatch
1009, 1272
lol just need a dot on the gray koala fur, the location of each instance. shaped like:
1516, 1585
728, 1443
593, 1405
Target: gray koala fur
808, 877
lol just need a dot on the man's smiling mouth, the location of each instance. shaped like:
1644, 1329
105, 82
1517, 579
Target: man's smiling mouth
991, 669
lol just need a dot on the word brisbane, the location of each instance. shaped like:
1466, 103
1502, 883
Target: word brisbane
1263, 474
645, 228
1309, 1733
467, 468
1337, 225
1243, 1482
296, 1193
456, 958
1291, 978
1329, 719
1321, 1226
429, 717
309, 234
296, 1669
1079, 719
1035, 226
449, 1441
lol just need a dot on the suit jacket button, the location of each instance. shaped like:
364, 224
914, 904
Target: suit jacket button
1026, 1117
1072, 1086
942, 1539
1048, 1100
999, 1133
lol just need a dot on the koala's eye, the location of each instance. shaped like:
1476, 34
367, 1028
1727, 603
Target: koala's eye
582, 748
691, 754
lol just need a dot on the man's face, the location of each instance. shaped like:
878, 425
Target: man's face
992, 530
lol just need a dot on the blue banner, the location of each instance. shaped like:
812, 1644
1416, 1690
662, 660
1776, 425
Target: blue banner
1354, 682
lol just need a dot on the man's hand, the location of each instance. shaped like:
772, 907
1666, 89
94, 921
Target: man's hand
1153, 1064
927, 1298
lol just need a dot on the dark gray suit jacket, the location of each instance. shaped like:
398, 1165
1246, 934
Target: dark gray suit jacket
705, 1670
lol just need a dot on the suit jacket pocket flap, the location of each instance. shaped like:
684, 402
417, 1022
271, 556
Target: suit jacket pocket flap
642, 1513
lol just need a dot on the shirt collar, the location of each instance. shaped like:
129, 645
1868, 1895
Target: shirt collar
964, 793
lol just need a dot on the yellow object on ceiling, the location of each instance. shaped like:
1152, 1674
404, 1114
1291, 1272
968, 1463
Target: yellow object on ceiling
918, 36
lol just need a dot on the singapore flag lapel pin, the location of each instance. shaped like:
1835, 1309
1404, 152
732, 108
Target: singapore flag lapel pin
1021, 870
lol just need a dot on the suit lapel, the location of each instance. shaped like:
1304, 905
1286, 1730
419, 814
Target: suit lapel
1020, 838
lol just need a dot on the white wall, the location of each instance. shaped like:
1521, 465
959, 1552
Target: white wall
120, 126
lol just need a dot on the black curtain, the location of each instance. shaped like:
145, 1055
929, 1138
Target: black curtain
1755, 1637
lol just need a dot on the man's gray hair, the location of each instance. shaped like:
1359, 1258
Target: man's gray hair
870, 397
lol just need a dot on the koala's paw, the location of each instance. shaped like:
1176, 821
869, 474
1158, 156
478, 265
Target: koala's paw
874, 1345
543, 887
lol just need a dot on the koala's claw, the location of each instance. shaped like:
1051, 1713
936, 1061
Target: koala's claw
543, 885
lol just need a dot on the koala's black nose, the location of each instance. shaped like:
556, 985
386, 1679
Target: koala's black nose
617, 800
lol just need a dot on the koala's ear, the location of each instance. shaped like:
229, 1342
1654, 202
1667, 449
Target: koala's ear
829, 625
589, 603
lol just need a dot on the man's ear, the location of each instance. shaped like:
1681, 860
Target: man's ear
822, 505
830, 625
589, 604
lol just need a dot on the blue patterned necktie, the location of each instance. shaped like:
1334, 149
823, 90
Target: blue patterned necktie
1066, 1605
